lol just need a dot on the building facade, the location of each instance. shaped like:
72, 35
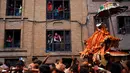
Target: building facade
121, 22
40, 27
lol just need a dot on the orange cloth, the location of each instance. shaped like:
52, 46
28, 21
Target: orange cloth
101, 41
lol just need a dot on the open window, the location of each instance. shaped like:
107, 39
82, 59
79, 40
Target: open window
12, 38
14, 8
58, 9
123, 24
58, 40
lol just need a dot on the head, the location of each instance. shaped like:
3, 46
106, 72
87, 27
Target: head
56, 34
107, 56
84, 64
52, 66
115, 68
9, 36
49, 2
20, 64
58, 61
101, 25
39, 62
44, 69
83, 70
60, 6
34, 58
55, 70
76, 61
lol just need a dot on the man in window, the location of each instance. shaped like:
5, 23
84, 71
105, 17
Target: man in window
60, 9
9, 41
49, 42
57, 38
11, 9
57, 41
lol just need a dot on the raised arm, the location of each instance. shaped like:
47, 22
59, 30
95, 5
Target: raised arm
44, 61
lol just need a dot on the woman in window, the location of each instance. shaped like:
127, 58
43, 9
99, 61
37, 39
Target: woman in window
9, 41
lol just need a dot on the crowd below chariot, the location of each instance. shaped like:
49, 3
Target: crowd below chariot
85, 66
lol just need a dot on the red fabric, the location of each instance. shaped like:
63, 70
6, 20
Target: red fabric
60, 9
49, 6
57, 37
9, 39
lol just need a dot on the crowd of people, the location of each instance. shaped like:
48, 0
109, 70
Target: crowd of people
87, 66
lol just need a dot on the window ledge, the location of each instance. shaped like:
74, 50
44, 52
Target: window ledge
12, 50
13, 17
56, 20
61, 53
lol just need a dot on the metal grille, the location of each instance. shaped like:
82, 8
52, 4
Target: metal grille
60, 45
58, 9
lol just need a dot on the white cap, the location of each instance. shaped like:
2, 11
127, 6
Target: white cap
99, 24
4, 70
21, 59
107, 52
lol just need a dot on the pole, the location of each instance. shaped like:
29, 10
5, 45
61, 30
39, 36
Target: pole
112, 26
111, 23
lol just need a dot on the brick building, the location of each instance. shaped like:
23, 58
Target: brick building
28, 28
121, 22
